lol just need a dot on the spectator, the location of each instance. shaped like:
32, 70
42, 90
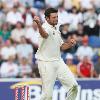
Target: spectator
84, 49
90, 22
85, 4
97, 67
1, 45
24, 50
28, 16
63, 15
76, 18
9, 68
79, 33
8, 50
80, 29
25, 70
14, 16
64, 29
5, 32
85, 68
36, 35
32, 35
52, 3
39, 4
76, 3
67, 4
96, 5
17, 33
8, 3
69, 62
24, 2
41, 15
2, 14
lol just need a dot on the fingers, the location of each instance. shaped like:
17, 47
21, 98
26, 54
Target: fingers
36, 19
72, 42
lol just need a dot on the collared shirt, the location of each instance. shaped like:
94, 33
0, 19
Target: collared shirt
32, 35
17, 34
9, 69
88, 52
7, 51
13, 18
85, 69
24, 50
49, 49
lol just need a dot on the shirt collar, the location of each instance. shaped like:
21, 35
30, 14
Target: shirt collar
55, 27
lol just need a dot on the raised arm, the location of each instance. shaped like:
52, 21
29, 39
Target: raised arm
42, 32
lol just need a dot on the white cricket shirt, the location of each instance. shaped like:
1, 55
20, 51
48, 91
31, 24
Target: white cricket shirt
49, 49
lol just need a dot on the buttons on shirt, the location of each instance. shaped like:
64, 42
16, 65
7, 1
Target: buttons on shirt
53, 33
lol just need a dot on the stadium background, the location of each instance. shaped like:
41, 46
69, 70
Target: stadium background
79, 19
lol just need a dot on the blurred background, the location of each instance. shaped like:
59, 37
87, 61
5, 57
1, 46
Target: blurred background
79, 19
19, 36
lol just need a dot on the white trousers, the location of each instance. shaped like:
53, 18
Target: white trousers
49, 72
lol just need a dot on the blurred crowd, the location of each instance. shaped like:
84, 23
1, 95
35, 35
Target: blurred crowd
79, 19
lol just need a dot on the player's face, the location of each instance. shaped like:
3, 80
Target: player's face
53, 19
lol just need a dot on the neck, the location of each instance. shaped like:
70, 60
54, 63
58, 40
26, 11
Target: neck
50, 23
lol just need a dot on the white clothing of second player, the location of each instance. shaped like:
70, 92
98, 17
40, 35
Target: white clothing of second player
52, 67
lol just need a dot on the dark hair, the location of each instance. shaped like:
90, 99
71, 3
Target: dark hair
49, 11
